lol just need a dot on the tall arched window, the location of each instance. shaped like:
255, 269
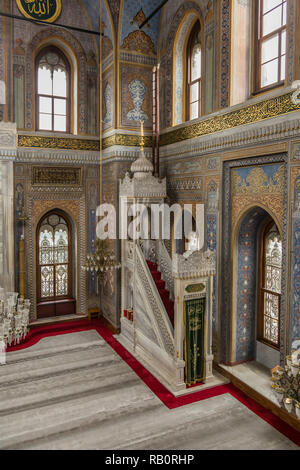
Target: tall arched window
270, 33
270, 285
54, 265
194, 73
53, 91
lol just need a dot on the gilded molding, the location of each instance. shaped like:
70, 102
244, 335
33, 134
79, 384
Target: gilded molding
63, 143
126, 141
60, 143
268, 109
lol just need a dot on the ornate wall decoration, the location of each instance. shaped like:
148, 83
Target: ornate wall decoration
136, 89
108, 104
291, 48
296, 151
258, 185
138, 94
133, 12
108, 98
212, 203
225, 53
56, 176
19, 94
268, 109
37, 141
115, 11
274, 166
139, 41
185, 184
295, 296
212, 163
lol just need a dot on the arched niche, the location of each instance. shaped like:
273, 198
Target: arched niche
247, 273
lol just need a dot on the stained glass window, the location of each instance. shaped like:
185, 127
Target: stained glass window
52, 91
54, 257
271, 288
194, 73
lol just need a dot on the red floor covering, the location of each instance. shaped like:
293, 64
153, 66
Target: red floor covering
38, 333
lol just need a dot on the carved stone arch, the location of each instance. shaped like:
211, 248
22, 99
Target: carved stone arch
177, 23
68, 43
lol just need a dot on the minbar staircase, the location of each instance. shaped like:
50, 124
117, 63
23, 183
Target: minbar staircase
163, 292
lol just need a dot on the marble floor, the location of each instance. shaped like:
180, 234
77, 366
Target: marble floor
255, 375
74, 392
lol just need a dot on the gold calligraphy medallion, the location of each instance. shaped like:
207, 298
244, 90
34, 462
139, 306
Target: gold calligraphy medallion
44, 10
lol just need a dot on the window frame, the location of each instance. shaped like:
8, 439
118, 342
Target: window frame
261, 288
196, 30
43, 52
259, 40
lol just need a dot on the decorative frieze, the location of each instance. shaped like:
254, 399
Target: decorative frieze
252, 113
31, 141
56, 176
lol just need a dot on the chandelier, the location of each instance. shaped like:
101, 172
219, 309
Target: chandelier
101, 260
286, 383
14, 318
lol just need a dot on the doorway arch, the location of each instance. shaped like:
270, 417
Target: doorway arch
55, 265
249, 294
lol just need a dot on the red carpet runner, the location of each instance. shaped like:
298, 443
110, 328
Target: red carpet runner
163, 292
160, 391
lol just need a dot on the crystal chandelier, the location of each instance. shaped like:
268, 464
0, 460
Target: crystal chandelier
14, 318
286, 383
101, 260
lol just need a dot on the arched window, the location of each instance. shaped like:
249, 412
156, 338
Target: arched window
53, 91
270, 33
194, 74
270, 285
54, 265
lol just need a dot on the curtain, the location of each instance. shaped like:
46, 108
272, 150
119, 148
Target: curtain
195, 340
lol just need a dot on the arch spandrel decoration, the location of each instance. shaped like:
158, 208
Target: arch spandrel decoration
260, 185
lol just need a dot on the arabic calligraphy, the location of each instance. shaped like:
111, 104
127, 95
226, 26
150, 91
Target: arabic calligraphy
46, 10
39, 8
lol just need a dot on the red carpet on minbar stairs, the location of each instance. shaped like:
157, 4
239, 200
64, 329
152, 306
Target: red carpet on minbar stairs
38, 333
